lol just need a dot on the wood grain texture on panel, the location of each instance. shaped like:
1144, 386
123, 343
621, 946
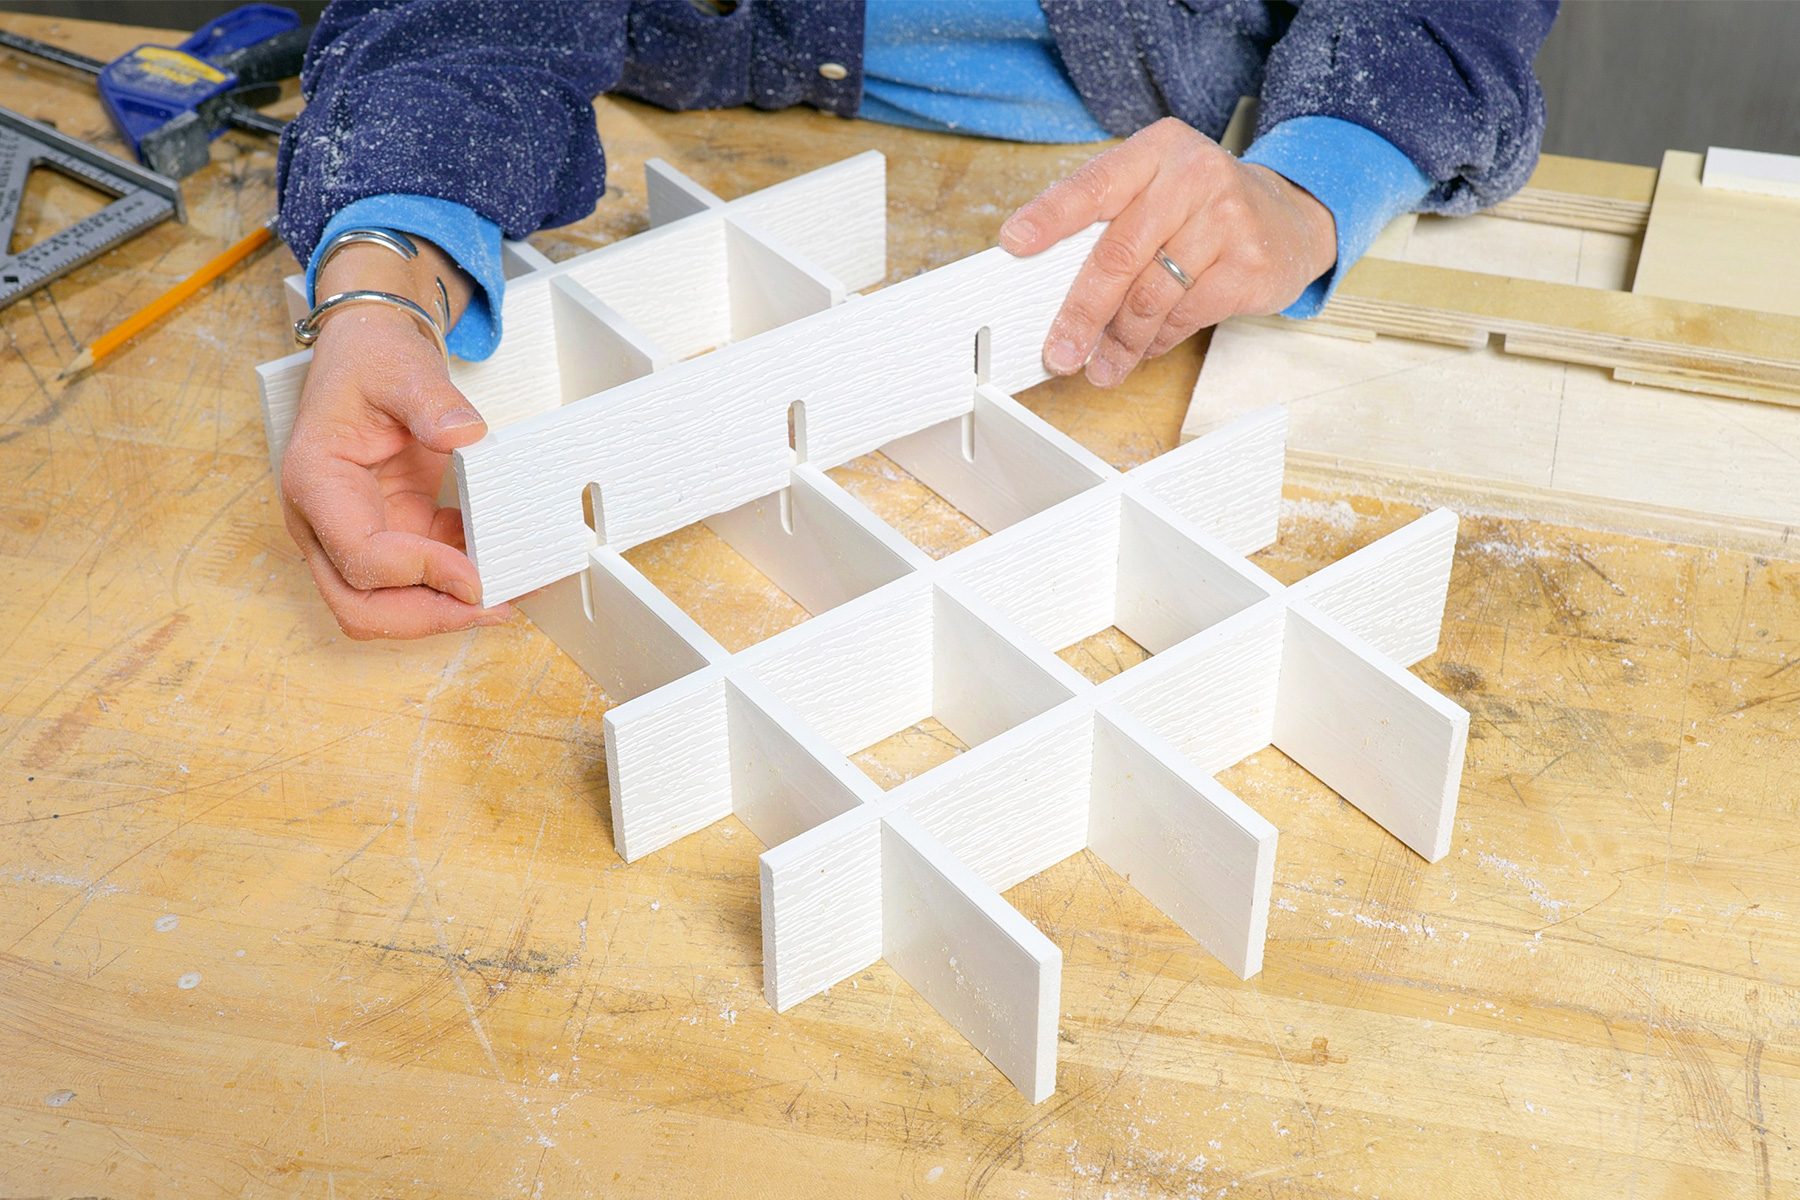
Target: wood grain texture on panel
1017, 804
1391, 592
836, 216
1370, 731
984, 967
521, 378
1228, 482
821, 906
1172, 583
1212, 696
278, 385
668, 763
1197, 852
859, 672
1054, 574
673, 282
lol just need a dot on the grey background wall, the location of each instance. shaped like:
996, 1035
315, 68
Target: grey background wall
1625, 79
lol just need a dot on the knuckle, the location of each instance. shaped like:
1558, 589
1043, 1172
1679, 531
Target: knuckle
360, 574
1092, 180
293, 481
1114, 258
355, 628
1079, 314
1254, 259
1142, 303
1231, 207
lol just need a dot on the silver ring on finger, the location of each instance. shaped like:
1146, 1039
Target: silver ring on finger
1174, 268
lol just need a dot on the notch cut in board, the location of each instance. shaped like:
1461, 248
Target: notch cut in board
1054, 763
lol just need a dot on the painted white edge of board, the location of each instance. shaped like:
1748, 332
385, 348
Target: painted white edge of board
1370, 731
984, 967
1755, 171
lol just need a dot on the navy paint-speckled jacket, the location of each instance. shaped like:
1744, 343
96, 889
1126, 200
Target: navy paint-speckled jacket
489, 102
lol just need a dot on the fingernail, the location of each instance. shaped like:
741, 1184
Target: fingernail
1062, 357
465, 591
1103, 372
458, 418
1017, 233
496, 617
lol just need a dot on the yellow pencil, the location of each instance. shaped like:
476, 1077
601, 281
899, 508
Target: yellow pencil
138, 321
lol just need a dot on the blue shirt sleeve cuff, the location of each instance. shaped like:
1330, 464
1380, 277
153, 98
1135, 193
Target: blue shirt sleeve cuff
1360, 176
470, 239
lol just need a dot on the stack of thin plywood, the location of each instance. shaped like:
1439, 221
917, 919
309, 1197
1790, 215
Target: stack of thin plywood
1484, 396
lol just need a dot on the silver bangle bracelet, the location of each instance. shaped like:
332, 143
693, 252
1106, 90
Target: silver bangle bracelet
388, 239
391, 239
306, 329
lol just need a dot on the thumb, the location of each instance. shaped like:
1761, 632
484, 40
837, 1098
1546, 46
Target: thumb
438, 416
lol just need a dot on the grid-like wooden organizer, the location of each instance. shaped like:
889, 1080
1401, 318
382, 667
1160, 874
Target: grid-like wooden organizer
610, 427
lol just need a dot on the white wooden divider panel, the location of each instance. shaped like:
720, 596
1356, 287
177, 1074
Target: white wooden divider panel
780, 786
853, 874
1214, 695
983, 682
967, 951
596, 348
821, 907
993, 464
835, 216
671, 747
1245, 461
771, 285
860, 672
711, 433
1193, 849
1017, 804
1055, 573
1392, 591
1370, 731
670, 195
815, 543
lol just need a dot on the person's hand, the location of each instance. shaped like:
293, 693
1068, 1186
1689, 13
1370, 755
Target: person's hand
1248, 239
359, 483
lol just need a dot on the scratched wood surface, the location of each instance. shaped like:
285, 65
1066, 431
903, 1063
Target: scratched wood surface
285, 915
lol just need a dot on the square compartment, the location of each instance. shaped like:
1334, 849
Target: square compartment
1109, 568
997, 464
785, 557
890, 660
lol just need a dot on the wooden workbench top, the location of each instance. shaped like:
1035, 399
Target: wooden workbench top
281, 914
